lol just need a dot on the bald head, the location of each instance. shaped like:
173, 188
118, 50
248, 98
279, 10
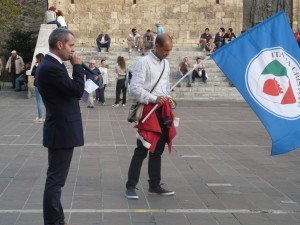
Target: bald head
161, 39
163, 46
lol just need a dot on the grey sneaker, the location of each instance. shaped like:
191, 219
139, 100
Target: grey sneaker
131, 194
160, 190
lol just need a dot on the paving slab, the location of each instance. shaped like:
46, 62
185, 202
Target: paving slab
220, 169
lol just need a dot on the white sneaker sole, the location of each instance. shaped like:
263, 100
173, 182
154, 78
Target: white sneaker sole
131, 197
164, 194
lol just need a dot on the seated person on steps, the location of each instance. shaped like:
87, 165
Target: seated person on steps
229, 36
199, 71
206, 41
23, 78
134, 40
219, 40
148, 41
183, 68
103, 41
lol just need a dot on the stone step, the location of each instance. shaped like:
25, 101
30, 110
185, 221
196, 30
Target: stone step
217, 86
193, 93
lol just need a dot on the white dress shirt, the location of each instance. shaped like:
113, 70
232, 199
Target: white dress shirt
103, 72
145, 74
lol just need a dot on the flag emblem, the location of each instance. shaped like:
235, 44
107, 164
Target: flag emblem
273, 81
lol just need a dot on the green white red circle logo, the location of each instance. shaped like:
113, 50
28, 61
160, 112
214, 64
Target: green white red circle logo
273, 81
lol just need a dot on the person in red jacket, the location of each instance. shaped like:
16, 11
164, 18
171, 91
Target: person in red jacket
152, 72
297, 36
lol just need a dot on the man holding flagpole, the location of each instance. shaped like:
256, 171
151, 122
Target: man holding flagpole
150, 84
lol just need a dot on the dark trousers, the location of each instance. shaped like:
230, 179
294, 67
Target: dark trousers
121, 87
106, 45
195, 74
97, 92
59, 161
154, 159
101, 95
13, 77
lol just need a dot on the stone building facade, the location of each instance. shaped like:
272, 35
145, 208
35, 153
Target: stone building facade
182, 19
185, 20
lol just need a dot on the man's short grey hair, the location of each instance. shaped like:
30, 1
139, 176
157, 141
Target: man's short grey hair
59, 34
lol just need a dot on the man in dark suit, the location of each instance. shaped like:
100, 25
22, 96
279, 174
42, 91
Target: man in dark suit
103, 41
63, 125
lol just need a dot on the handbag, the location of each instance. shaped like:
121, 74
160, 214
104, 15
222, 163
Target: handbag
136, 110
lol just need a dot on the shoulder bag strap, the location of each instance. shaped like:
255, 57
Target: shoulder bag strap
158, 78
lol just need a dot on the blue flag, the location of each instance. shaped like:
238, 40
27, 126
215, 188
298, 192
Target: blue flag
263, 64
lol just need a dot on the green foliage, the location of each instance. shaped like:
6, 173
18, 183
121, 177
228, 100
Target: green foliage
23, 42
12, 11
9, 12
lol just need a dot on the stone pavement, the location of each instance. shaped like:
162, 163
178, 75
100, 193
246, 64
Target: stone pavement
220, 169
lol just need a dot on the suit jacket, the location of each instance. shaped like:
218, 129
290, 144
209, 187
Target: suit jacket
61, 94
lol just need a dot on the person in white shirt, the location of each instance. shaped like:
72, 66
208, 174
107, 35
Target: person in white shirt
150, 70
134, 40
103, 73
199, 71
61, 19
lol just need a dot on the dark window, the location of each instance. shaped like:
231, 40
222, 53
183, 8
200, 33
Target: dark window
72, 1
134, 1
218, 1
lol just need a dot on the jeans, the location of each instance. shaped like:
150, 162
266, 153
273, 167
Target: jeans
121, 87
59, 161
55, 22
39, 102
154, 160
106, 45
21, 79
189, 78
219, 44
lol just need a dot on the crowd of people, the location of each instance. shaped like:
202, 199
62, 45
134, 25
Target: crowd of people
135, 40
150, 83
209, 43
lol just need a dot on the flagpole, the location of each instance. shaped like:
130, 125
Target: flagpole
181, 79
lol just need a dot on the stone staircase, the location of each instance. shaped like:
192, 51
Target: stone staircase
216, 88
